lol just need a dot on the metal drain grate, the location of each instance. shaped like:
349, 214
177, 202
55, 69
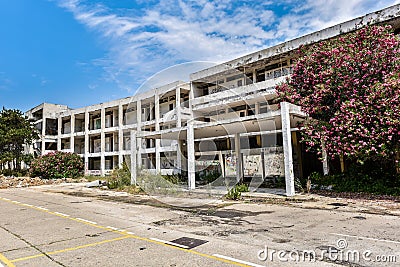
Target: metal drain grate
189, 242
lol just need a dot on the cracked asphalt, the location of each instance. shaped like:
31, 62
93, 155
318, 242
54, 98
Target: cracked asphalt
69, 225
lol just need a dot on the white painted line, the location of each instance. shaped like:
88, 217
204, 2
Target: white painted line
368, 238
6, 198
130, 233
236, 260
170, 243
17, 202
28, 205
83, 220
62, 214
1, 265
41, 208
112, 228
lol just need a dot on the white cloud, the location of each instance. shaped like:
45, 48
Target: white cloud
167, 32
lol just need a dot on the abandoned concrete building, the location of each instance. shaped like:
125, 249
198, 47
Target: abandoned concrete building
223, 120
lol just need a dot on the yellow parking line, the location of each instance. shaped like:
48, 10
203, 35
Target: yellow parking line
69, 249
132, 236
6, 261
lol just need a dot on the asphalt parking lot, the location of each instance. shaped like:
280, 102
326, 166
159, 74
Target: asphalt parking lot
42, 228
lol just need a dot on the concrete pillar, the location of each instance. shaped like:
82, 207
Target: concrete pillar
179, 156
239, 163
86, 152
257, 108
222, 163
43, 135
120, 135
59, 132
102, 141
138, 130
178, 107
191, 156
133, 157
263, 174
157, 123
287, 149
325, 165
72, 137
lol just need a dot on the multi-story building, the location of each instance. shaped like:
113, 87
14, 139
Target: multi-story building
224, 119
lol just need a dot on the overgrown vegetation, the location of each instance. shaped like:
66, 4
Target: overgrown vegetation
208, 176
56, 165
369, 177
119, 178
349, 87
15, 132
235, 192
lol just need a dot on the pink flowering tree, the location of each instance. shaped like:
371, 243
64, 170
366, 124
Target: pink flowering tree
350, 88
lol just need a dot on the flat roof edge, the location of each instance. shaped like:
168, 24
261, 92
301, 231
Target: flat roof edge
387, 14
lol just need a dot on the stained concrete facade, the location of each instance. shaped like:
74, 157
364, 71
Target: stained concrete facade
225, 119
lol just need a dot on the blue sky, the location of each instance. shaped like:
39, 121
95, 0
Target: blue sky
78, 52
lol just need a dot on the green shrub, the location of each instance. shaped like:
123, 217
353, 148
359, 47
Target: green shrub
369, 177
57, 165
15, 173
236, 192
119, 178
242, 188
174, 178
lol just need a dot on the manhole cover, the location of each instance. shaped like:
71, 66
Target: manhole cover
189, 242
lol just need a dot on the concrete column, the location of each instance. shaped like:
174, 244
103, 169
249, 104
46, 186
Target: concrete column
179, 156
191, 156
178, 107
257, 108
102, 141
325, 165
114, 116
222, 163
43, 135
238, 154
120, 135
86, 152
157, 120
59, 132
138, 130
72, 138
263, 174
133, 157
287, 149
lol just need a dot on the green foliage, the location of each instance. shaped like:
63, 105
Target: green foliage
56, 165
174, 178
157, 184
210, 176
369, 177
349, 87
15, 173
242, 187
236, 192
233, 193
119, 178
15, 132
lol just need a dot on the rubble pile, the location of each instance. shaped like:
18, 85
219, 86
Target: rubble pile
10, 182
